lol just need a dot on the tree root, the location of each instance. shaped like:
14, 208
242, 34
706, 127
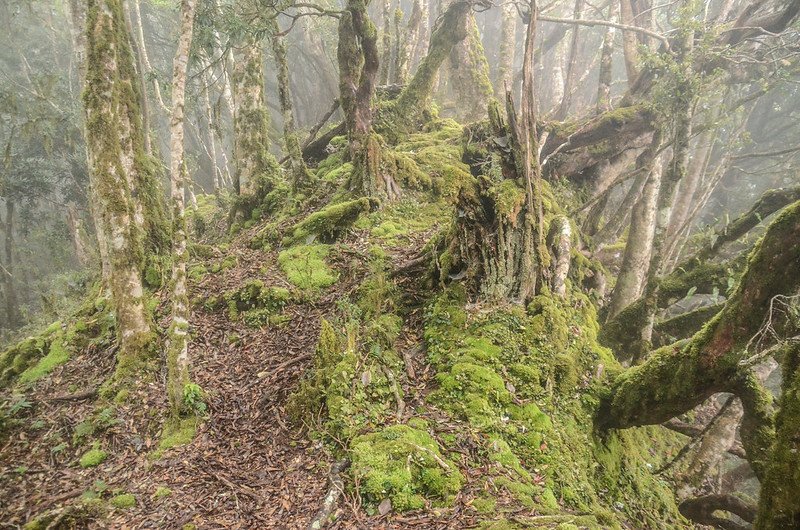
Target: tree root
701, 510
332, 497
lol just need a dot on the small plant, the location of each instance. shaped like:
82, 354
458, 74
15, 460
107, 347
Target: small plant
193, 399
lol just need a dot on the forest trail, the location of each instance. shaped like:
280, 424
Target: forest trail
246, 467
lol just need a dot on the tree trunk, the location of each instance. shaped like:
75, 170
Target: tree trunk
636, 258
508, 32
300, 177
357, 53
386, 43
256, 169
779, 503
673, 380
116, 149
630, 43
410, 43
13, 314
469, 74
178, 341
572, 65
605, 71
449, 31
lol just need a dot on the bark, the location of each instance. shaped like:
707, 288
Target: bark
409, 43
178, 341
636, 259
675, 379
13, 314
508, 32
116, 150
300, 176
75, 223
630, 43
149, 71
386, 43
469, 74
605, 71
702, 510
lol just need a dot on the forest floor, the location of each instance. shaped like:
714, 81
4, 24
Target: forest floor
246, 467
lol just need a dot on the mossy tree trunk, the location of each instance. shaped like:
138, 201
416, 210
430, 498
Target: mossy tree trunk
673, 380
178, 342
409, 43
450, 29
605, 72
12, 313
117, 166
469, 73
779, 502
256, 170
299, 174
508, 33
357, 54
499, 244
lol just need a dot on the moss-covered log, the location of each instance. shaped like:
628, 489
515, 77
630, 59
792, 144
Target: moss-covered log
676, 379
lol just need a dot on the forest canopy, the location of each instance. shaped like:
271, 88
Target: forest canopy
400, 264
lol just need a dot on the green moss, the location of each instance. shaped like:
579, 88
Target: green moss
484, 505
176, 432
329, 223
57, 355
305, 267
508, 198
404, 465
228, 262
93, 457
161, 492
123, 501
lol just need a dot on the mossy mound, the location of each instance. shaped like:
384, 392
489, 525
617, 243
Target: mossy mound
256, 300
529, 381
327, 224
35, 357
305, 267
405, 465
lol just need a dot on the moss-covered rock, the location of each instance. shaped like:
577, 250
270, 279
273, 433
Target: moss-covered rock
93, 457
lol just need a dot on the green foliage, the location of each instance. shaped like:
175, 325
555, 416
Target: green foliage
305, 267
194, 399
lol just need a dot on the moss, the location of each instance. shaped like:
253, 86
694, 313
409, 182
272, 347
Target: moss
484, 505
57, 355
226, 263
123, 501
176, 432
509, 198
329, 223
404, 465
255, 295
196, 272
162, 492
93, 457
305, 267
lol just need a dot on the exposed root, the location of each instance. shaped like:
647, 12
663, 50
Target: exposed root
332, 497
